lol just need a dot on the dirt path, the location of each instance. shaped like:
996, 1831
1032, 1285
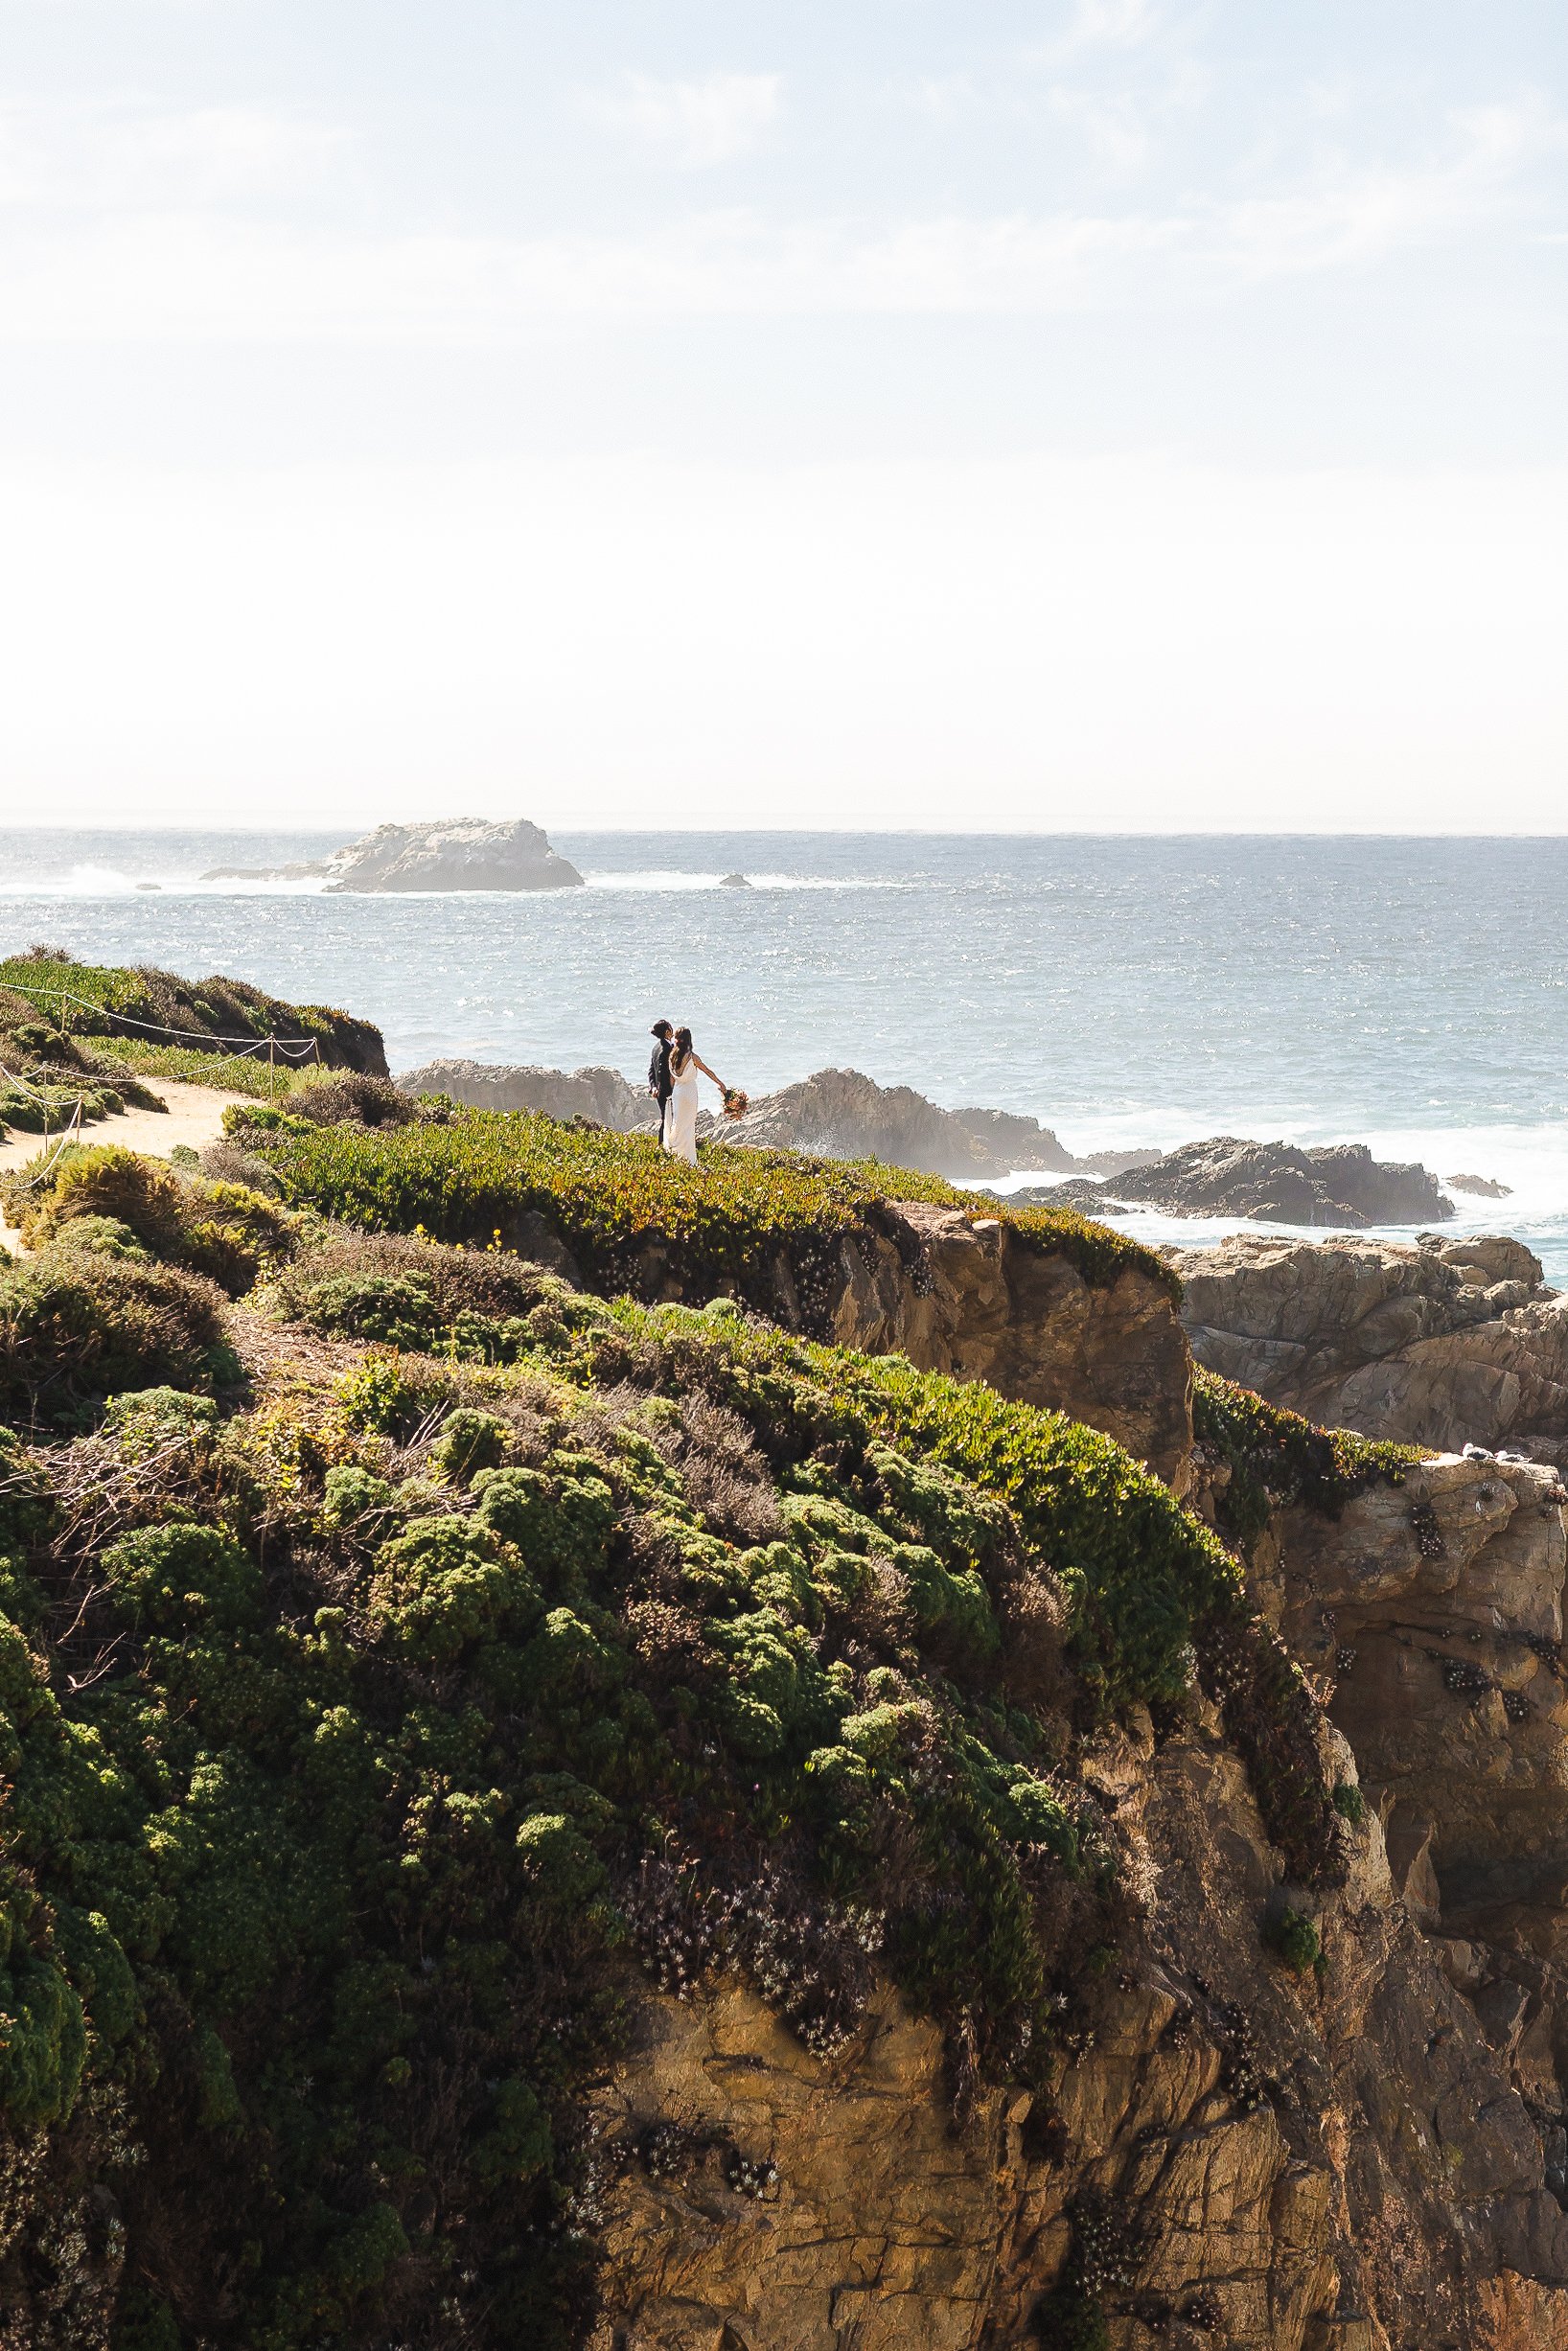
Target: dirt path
195, 1116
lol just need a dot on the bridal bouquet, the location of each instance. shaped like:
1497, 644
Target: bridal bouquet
736, 1103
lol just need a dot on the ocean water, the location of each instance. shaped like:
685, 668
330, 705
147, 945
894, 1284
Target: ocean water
1408, 994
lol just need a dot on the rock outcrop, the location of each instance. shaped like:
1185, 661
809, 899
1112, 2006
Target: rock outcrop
1021, 1143
1235, 2154
1276, 1183
599, 1093
452, 853
456, 853
1435, 1607
838, 1114
842, 1114
1437, 1343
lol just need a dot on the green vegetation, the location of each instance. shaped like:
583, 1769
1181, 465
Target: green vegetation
243, 1072
371, 1728
322, 1877
93, 1314
44, 1105
754, 1223
90, 1001
224, 1231
1294, 1939
88, 1051
1277, 1458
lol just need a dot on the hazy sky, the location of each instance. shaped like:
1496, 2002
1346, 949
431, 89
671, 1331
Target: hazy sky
1092, 413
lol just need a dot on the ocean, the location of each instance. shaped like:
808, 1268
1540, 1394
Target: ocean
1410, 994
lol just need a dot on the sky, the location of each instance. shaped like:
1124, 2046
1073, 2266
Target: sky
1091, 415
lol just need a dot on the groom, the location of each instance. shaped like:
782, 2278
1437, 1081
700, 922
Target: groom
660, 1084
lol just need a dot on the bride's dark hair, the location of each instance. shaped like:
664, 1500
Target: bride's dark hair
682, 1042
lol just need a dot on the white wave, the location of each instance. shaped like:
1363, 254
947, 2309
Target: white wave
79, 882
108, 881
675, 880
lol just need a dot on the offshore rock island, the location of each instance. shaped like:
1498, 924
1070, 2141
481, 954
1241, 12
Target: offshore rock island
626, 1758
464, 853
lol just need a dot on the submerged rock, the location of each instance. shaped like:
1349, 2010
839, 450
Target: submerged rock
1483, 1187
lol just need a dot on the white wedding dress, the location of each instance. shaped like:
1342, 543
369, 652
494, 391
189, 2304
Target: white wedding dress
681, 1118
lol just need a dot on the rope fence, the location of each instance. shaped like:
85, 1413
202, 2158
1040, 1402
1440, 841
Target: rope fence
295, 1051
73, 1128
298, 1050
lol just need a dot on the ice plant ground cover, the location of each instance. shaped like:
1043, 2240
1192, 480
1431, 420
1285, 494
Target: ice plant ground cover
462, 1175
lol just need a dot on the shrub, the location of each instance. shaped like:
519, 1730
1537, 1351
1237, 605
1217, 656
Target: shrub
357, 1097
1139, 1572
221, 1230
76, 1327
106, 1001
1294, 1939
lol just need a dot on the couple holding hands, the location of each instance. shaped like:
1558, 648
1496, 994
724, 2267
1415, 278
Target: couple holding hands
672, 1080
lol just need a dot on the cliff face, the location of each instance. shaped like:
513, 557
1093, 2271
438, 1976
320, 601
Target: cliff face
1437, 1609
1236, 2154
1435, 1343
973, 1298
983, 1304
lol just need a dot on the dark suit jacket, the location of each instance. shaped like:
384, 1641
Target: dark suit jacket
658, 1070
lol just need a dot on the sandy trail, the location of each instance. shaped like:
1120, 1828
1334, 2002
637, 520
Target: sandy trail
195, 1116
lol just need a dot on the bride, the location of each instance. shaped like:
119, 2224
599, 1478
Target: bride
680, 1121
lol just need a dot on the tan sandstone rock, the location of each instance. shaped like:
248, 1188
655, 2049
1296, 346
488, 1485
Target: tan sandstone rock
1439, 1343
1385, 2193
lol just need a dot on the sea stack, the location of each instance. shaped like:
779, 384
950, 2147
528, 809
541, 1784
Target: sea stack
458, 853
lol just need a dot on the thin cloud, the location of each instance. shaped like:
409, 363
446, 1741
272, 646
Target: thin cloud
94, 157
210, 276
693, 124
1115, 24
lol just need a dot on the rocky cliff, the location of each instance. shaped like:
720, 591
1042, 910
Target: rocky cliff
1367, 2156
974, 1297
1234, 2154
1441, 1343
538, 1820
